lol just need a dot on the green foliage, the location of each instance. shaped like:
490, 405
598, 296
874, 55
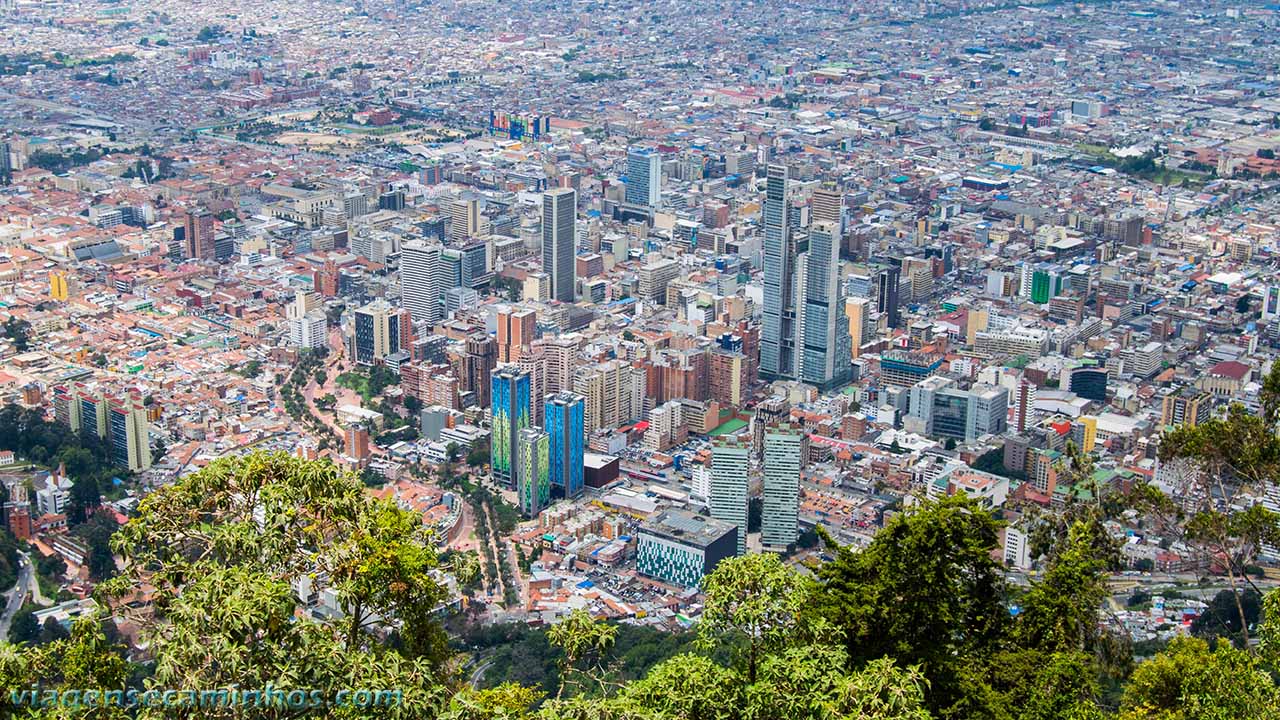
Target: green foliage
96, 533
1221, 619
753, 602
925, 592
992, 462
584, 642
250, 369
1060, 613
478, 455
1191, 681
8, 560
224, 548
19, 332
25, 628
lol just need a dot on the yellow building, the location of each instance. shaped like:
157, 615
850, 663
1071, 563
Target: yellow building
1090, 424
58, 286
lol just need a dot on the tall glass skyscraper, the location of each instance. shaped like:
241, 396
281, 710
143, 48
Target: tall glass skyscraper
887, 300
824, 330
777, 336
564, 419
727, 501
512, 412
533, 481
644, 177
784, 450
559, 208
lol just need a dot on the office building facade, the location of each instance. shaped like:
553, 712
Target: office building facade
565, 415
823, 328
681, 548
559, 227
785, 446
728, 496
533, 480
420, 286
777, 336
644, 178
512, 412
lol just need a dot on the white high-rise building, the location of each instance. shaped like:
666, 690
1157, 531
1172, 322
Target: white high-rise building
306, 321
727, 500
784, 451
644, 177
421, 270
464, 219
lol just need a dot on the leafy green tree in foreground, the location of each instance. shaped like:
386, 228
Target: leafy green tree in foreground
229, 551
914, 626
1230, 458
925, 592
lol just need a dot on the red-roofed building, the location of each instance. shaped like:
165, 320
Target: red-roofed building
1225, 379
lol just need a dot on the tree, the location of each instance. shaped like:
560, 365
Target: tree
85, 498
79, 660
24, 628
583, 642
413, 405
1060, 613
1190, 681
1222, 618
925, 592
224, 548
19, 332
478, 455
752, 601
52, 631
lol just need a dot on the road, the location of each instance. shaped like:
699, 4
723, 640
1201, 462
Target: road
478, 675
16, 596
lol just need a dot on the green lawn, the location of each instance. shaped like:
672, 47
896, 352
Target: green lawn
355, 381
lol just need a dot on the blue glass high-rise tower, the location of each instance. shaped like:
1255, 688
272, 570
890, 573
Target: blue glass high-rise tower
564, 418
512, 412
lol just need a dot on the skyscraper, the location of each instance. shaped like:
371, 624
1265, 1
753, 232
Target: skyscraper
199, 235
516, 328
379, 332
565, 417
464, 216
512, 412
130, 446
420, 281
824, 342
644, 177
477, 365
1024, 405
777, 338
306, 321
533, 486
827, 205
784, 450
887, 300
559, 223
856, 310
727, 501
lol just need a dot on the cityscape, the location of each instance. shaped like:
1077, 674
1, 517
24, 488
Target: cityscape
597, 358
